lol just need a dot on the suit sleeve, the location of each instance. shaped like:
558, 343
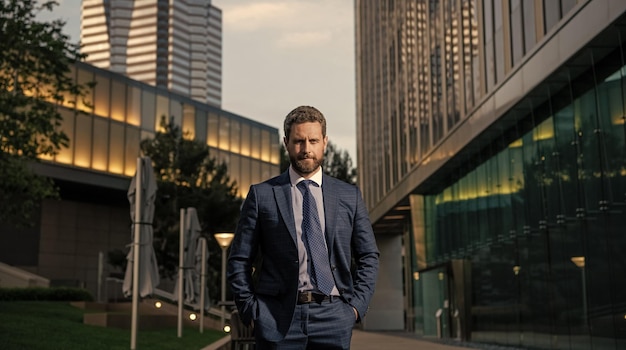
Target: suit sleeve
365, 253
242, 256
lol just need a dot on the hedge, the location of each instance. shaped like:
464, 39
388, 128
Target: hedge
47, 294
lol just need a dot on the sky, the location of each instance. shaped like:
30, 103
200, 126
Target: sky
277, 55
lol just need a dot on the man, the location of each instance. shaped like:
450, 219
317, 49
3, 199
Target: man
307, 236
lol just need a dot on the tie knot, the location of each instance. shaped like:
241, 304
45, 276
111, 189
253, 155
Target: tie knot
303, 185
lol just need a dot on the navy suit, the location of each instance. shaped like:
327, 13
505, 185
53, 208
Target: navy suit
267, 227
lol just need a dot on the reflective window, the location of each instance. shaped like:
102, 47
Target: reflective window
245, 140
66, 154
116, 147
213, 130
82, 141
530, 35
148, 110
131, 150
235, 136
118, 100
103, 93
517, 31
551, 13
133, 105
163, 111
188, 121
100, 141
224, 133
85, 79
201, 125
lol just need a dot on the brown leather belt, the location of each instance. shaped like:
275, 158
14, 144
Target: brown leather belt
310, 297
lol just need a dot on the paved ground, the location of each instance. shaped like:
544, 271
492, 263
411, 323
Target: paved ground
362, 340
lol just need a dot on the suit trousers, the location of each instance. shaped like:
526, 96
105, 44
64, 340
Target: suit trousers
317, 325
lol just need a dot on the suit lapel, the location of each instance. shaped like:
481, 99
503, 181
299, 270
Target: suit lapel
331, 204
282, 193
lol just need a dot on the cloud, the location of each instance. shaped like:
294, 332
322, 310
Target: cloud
304, 39
258, 15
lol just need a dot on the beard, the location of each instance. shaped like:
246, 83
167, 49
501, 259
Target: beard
306, 165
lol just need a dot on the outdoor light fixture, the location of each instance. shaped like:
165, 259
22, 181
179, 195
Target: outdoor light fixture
578, 261
227, 328
223, 239
192, 317
158, 304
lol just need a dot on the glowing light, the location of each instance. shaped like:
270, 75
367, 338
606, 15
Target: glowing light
158, 304
227, 328
192, 317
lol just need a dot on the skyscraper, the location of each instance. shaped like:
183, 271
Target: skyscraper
491, 143
172, 44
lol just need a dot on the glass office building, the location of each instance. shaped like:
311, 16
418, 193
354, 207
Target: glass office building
94, 172
492, 155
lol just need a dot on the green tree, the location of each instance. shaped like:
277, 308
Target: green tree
337, 163
188, 177
34, 81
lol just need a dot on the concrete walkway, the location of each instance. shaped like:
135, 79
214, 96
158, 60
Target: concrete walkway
362, 340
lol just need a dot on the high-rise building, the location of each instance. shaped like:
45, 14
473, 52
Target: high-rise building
491, 144
176, 45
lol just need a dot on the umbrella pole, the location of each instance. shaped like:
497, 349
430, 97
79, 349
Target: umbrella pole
181, 252
202, 282
136, 243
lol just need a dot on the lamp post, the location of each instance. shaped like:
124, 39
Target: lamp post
223, 239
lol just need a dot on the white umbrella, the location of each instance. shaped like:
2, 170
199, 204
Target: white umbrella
142, 216
191, 274
188, 282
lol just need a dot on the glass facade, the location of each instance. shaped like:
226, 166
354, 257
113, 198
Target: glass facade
538, 220
511, 192
119, 112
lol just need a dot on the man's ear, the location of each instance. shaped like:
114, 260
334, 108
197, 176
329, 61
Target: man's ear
285, 141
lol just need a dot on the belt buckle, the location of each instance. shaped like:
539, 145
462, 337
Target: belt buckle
305, 297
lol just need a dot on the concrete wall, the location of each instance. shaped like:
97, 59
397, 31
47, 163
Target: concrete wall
387, 307
72, 235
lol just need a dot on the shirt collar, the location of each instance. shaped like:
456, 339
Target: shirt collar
295, 177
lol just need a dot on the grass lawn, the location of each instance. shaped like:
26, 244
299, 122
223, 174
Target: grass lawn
47, 325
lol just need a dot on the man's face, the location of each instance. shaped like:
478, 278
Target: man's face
306, 146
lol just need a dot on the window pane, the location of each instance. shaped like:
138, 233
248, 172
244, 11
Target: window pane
116, 145
66, 154
212, 130
118, 100
162, 111
100, 144
103, 93
245, 139
224, 133
189, 122
235, 135
201, 125
133, 108
82, 141
148, 104
132, 149
85, 103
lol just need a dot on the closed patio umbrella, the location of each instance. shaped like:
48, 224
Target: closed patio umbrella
191, 274
142, 216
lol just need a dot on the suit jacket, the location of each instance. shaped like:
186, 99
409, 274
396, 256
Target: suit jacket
267, 227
